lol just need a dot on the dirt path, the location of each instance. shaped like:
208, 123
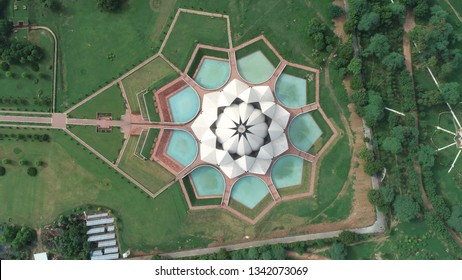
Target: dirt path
409, 24
454, 10
340, 21
306, 256
362, 211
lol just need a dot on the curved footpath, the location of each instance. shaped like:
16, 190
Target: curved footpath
378, 227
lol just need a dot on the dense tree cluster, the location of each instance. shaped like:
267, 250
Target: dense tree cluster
110, 5
321, 35
16, 52
25, 137
405, 208
338, 251
18, 238
436, 43
69, 239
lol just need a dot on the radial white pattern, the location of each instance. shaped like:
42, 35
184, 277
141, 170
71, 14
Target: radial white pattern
241, 129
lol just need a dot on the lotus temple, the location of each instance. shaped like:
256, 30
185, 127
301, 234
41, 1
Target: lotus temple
240, 129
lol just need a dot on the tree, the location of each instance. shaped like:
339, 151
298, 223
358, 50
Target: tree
388, 194
335, 11
8, 74
375, 198
379, 46
369, 22
394, 61
450, 92
405, 208
372, 168
24, 75
347, 237
38, 163
32, 171
455, 221
109, 5
392, 144
365, 154
426, 156
2, 171
338, 251
4, 66
23, 162
355, 66
24, 237
6, 161
374, 111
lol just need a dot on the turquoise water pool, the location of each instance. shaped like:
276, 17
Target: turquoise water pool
249, 191
287, 171
208, 181
213, 73
182, 147
255, 67
184, 105
291, 91
304, 131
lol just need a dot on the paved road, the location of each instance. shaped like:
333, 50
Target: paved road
378, 227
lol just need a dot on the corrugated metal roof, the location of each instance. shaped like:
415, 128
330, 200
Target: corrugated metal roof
111, 250
108, 243
101, 237
106, 257
100, 222
99, 215
95, 230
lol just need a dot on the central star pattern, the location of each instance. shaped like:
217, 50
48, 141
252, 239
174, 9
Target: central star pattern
241, 129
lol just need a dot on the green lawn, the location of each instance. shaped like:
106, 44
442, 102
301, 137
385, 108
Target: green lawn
413, 240
191, 29
109, 101
106, 143
149, 142
145, 77
457, 5
37, 85
149, 173
112, 43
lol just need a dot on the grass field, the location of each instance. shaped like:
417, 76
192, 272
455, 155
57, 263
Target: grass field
412, 240
457, 5
145, 77
149, 173
191, 29
106, 143
87, 61
109, 101
36, 85
153, 115
149, 142
135, 34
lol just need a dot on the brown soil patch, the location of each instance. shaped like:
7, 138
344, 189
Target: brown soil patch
340, 21
409, 24
306, 256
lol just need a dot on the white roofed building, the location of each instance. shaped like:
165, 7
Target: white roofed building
241, 129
